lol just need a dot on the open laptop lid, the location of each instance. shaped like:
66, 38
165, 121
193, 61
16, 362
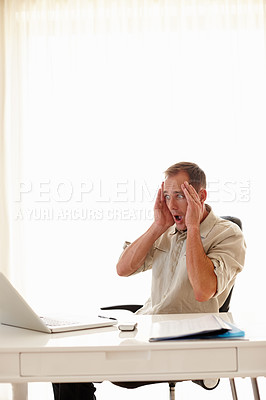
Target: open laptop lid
15, 311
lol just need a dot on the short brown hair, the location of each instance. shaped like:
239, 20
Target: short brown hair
197, 177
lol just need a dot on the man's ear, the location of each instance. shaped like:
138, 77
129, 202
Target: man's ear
202, 195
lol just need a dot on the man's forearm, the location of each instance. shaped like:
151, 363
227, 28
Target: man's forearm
134, 255
199, 267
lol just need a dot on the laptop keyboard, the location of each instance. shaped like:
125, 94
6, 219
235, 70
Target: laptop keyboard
55, 322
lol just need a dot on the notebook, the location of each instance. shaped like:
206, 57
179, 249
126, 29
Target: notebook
15, 311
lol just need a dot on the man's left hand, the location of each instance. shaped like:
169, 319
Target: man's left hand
195, 206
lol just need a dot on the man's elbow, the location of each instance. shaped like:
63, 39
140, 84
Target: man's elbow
201, 297
204, 295
121, 270
205, 290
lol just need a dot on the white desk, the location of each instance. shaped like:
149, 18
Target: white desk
107, 354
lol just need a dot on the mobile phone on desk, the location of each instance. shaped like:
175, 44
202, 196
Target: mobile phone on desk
127, 326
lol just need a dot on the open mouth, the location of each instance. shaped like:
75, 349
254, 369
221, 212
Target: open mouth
178, 218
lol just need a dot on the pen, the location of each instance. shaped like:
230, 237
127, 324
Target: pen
102, 316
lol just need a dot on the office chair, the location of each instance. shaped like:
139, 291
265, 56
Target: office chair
208, 384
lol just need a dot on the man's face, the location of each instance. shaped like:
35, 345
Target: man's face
175, 198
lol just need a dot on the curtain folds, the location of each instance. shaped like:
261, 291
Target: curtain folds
97, 98
4, 226
96, 90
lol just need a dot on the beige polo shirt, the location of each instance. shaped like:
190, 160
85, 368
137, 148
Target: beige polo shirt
171, 291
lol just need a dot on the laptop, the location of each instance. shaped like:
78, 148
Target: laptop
15, 311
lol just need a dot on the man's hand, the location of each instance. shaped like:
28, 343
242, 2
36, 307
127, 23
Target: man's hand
199, 266
134, 255
195, 207
162, 215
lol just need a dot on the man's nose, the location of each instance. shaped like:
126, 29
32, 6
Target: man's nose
172, 203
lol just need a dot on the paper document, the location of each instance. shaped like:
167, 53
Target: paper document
199, 327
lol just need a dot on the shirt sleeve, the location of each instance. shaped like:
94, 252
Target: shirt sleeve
228, 256
148, 260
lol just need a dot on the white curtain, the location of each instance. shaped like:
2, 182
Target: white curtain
99, 98
4, 231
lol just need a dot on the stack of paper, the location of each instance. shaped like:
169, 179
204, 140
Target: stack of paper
206, 327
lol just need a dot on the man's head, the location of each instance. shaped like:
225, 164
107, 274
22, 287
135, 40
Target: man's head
197, 177
176, 201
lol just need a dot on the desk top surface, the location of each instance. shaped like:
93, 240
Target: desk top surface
110, 338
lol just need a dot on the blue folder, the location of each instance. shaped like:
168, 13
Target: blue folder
235, 332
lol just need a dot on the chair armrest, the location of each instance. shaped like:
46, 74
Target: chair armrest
130, 307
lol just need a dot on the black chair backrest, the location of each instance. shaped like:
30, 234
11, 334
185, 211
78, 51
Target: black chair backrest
226, 305
234, 219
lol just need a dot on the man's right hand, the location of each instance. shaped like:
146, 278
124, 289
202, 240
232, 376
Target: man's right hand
162, 215
134, 255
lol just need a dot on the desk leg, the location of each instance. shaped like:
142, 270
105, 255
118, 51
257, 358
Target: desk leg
255, 389
233, 389
20, 391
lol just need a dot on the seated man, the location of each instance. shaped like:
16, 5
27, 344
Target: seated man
194, 255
